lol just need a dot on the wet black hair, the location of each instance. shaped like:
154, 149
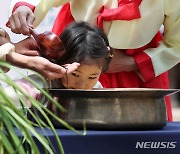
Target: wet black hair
83, 42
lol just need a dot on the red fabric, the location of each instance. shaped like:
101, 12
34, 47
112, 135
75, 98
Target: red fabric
125, 79
127, 10
64, 18
143, 60
32, 7
145, 65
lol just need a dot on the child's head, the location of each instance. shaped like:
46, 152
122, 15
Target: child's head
88, 46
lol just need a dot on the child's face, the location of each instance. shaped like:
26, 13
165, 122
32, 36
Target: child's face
85, 77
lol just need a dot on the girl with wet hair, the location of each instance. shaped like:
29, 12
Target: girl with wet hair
88, 46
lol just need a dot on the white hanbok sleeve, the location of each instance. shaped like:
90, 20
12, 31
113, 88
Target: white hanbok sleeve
167, 54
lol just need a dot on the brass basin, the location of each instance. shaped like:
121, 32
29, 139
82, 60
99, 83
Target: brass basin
113, 108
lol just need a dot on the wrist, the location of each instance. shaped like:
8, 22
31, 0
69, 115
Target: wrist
30, 63
132, 65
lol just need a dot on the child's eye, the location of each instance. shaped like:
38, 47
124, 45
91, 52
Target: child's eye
74, 74
92, 78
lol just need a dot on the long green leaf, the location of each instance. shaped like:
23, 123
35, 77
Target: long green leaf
32, 130
10, 129
7, 145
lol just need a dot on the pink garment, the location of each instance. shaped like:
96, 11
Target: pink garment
29, 89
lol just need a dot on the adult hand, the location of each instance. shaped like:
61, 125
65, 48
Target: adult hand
121, 62
41, 65
27, 47
50, 70
21, 19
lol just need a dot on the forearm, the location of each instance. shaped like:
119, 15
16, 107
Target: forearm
19, 60
131, 65
122, 62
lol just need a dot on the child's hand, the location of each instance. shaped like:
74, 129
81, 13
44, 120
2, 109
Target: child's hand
20, 20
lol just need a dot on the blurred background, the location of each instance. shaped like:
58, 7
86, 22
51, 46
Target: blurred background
174, 73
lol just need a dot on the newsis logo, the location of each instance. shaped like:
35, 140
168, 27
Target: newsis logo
155, 145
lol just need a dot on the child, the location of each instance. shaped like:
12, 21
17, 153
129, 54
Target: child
86, 45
